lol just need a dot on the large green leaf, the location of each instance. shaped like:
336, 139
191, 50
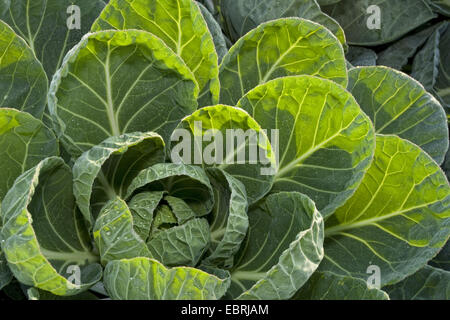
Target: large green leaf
397, 220
23, 83
397, 18
282, 250
330, 286
279, 48
244, 15
441, 6
240, 146
44, 25
326, 142
24, 141
44, 233
399, 105
106, 170
147, 279
116, 82
186, 182
427, 284
180, 24
229, 220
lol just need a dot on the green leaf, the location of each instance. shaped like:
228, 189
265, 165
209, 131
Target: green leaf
397, 220
397, 55
107, 169
44, 233
326, 142
23, 83
180, 209
244, 15
282, 250
216, 32
440, 6
280, 48
240, 146
399, 105
189, 183
43, 24
142, 207
360, 56
228, 220
24, 142
442, 86
5, 274
427, 284
116, 82
114, 233
182, 245
397, 18
442, 260
180, 24
147, 279
330, 286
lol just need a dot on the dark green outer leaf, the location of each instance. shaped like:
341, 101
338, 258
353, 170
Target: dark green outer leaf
442, 260
330, 286
147, 279
107, 169
282, 250
5, 274
244, 15
23, 83
43, 25
397, 19
24, 142
398, 219
279, 48
427, 284
43, 232
360, 56
116, 82
399, 105
440, 6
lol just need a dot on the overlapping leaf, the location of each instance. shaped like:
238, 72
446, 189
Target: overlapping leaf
326, 142
44, 234
399, 105
279, 48
397, 220
180, 24
116, 82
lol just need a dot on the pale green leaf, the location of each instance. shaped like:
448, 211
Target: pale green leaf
229, 139
282, 250
326, 142
147, 279
397, 220
279, 48
399, 105
116, 82
44, 233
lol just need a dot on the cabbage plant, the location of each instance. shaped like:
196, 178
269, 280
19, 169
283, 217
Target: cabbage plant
118, 176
